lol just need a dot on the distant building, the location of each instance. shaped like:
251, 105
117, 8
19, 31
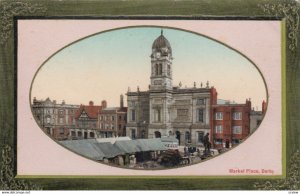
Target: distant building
230, 124
86, 121
256, 117
112, 120
87, 115
51, 115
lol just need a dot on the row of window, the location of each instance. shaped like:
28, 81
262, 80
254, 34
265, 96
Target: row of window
159, 69
110, 126
235, 129
52, 111
60, 120
112, 118
157, 114
235, 116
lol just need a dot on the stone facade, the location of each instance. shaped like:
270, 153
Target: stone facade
53, 117
165, 110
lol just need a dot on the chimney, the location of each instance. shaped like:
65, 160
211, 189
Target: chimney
121, 101
104, 104
91, 103
264, 107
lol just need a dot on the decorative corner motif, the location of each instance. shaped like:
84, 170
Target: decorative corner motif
292, 181
7, 179
9, 9
290, 12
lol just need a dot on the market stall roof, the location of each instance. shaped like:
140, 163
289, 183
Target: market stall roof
85, 148
140, 145
109, 150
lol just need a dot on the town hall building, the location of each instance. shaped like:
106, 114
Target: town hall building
165, 110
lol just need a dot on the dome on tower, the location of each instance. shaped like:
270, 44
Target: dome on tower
162, 44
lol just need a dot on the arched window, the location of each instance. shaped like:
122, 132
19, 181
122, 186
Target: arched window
156, 69
157, 134
160, 69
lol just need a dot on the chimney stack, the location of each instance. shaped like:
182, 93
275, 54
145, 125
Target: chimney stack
121, 101
104, 104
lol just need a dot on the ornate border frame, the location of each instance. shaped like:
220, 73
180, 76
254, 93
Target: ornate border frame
289, 10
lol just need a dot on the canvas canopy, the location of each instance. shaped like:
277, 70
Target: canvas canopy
140, 145
95, 150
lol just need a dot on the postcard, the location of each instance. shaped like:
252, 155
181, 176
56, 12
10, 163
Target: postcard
148, 97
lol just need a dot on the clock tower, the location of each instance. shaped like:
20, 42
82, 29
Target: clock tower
161, 64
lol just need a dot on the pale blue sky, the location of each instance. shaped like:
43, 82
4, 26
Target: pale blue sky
104, 65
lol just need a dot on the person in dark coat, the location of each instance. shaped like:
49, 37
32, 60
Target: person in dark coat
206, 144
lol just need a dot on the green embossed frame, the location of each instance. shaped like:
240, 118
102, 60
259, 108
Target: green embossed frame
287, 11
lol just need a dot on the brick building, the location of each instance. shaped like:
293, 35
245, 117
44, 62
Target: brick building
112, 120
230, 124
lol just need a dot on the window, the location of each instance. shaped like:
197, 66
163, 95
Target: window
112, 127
48, 120
237, 129
235, 141
101, 118
200, 101
200, 115
187, 137
160, 69
79, 133
92, 135
219, 116
120, 127
169, 70
60, 112
157, 115
133, 135
112, 118
132, 115
143, 134
102, 126
200, 136
73, 134
258, 122
120, 117
218, 129
61, 131
218, 141
237, 116
61, 120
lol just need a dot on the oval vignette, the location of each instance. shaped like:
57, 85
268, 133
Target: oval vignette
148, 97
